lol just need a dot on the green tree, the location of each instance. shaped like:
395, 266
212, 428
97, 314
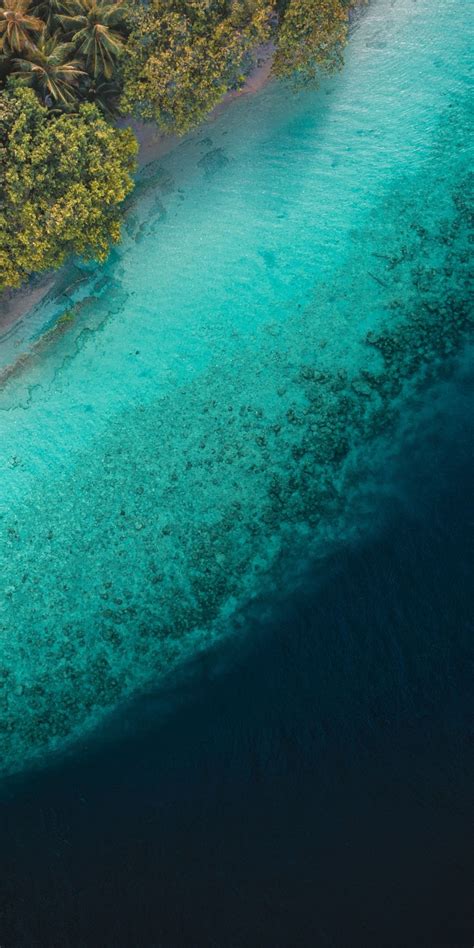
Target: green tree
106, 94
62, 181
49, 68
311, 38
18, 27
90, 26
49, 10
182, 57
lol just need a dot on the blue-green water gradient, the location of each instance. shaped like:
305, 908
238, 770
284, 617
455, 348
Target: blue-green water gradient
222, 399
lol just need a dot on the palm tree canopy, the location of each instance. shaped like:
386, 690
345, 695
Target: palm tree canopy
50, 70
17, 25
90, 26
49, 10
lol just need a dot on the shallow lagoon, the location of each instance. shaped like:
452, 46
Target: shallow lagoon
221, 403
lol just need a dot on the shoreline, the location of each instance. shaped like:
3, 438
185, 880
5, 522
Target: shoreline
153, 143
15, 304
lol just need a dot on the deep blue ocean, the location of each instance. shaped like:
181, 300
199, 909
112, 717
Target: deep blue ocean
312, 786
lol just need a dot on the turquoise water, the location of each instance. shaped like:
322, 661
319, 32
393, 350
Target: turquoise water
224, 398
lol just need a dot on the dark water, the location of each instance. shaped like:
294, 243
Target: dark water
313, 788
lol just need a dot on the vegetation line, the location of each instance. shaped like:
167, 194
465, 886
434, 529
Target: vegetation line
70, 68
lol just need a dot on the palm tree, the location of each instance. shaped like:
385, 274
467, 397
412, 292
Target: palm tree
49, 10
105, 93
51, 72
90, 28
17, 25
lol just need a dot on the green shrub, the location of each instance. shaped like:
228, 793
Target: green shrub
63, 178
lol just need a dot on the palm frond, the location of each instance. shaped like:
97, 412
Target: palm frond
50, 70
17, 25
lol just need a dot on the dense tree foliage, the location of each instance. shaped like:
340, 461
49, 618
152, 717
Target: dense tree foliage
184, 55
311, 38
62, 179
